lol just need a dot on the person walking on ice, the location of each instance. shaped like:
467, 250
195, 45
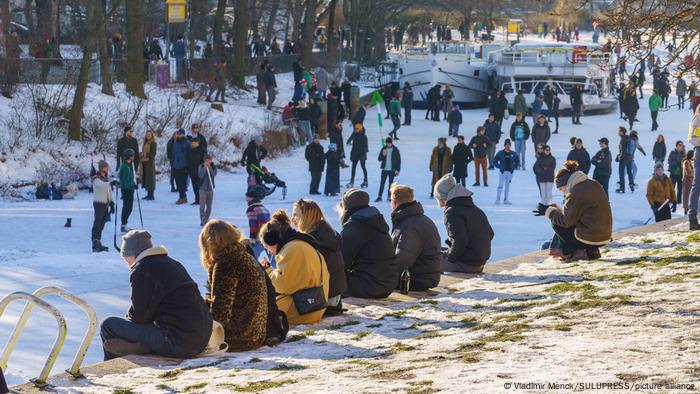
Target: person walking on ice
127, 181
390, 159
207, 173
506, 161
102, 204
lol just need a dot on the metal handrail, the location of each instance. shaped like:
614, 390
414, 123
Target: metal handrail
58, 343
74, 370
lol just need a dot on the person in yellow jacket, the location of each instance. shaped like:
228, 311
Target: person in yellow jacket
300, 266
660, 194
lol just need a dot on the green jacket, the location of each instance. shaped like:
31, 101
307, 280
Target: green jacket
654, 102
520, 105
395, 107
126, 176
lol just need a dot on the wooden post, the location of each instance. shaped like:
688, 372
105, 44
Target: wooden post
323, 122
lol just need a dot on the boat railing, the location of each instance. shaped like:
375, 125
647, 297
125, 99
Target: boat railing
561, 87
552, 56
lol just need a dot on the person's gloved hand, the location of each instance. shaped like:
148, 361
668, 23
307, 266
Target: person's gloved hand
541, 209
114, 183
111, 207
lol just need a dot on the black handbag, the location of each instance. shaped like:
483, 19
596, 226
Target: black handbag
312, 299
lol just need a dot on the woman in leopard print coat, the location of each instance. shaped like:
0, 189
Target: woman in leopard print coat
238, 295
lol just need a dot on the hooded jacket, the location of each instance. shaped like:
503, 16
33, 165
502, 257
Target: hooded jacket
368, 252
586, 208
469, 233
603, 163
417, 244
164, 294
330, 244
541, 133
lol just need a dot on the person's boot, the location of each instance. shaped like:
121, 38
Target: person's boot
97, 246
120, 347
182, 200
693, 223
350, 185
593, 253
557, 253
364, 184
125, 229
578, 255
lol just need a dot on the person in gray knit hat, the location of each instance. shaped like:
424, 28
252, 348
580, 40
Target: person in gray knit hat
469, 233
167, 316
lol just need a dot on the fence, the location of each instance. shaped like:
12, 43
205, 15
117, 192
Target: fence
67, 71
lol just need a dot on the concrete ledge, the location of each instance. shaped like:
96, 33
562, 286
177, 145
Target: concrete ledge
122, 365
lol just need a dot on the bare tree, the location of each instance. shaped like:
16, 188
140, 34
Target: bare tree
47, 18
134, 48
218, 28
241, 28
308, 31
105, 63
271, 20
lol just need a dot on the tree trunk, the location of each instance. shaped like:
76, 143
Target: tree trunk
332, 47
241, 27
105, 63
255, 17
198, 24
270, 29
30, 24
297, 12
47, 13
218, 43
6, 18
76, 111
134, 48
308, 32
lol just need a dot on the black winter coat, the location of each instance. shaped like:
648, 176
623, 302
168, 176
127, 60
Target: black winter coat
501, 106
477, 145
330, 244
303, 113
332, 111
360, 146
407, 98
269, 79
316, 113
582, 157
603, 163
454, 117
368, 253
395, 159
196, 155
659, 152
461, 157
298, 71
544, 168
332, 185
417, 245
336, 137
124, 144
315, 156
630, 105
493, 131
162, 292
541, 134
526, 130
253, 154
359, 116
469, 232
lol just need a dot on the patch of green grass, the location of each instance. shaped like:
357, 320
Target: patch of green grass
164, 387
569, 287
413, 307
621, 277
422, 387
346, 324
502, 301
400, 347
395, 314
170, 374
296, 337
563, 327
428, 335
288, 367
256, 387
363, 362
607, 302
193, 387
671, 279
508, 318
694, 237
469, 322
394, 374
123, 391
647, 241
429, 302
254, 360
509, 333
361, 335
374, 325
478, 306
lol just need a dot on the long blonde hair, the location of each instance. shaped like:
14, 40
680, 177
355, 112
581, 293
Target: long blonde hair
309, 214
216, 237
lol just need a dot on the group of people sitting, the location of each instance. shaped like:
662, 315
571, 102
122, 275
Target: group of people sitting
312, 266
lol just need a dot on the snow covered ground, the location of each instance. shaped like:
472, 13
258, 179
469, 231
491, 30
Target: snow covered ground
36, 250
629, 319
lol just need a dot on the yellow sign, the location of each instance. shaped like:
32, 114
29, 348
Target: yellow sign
177, 13
514, 25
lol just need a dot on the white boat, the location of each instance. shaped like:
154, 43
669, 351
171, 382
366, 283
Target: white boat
452, 63
529, 67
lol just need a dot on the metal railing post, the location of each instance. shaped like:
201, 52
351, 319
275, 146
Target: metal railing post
58, 343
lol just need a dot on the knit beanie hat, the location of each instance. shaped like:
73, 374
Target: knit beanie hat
658, 165
443, 186
135, 242
563, 175
102, 164
355, 198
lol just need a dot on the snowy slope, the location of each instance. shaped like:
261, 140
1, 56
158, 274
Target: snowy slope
37, 251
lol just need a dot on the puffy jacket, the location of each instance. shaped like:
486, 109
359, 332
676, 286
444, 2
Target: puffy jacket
417, 244
196, 155
660, 190
368, 252
602, 162
164, 294
493, 131
545, 167
126, 176
359, 116
300, 265
582, 157
659, 151
469, 232
330, 244
395, 107
586, 208
526, 130
506, 161
315, 156
654, 102
181, 149
541, 134
675, 159
454, 117
479, 145
440, 168
360, 146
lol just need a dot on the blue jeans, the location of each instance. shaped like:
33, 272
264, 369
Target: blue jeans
386, 174
306, 129
695, 190
520, 149
147, 334
625, 165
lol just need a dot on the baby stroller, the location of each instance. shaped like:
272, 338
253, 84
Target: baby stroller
264, 177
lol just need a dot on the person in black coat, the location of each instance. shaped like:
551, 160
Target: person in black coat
555, 112
461, 157
332, 187
469, 233
500, 107
416, 240
390, 159
298, 70
630, 106
433, 101
602, 161
195, 158
316, 113
330, 244
346, 89
316, 158
331, 111
544, 169
407, 103
368, 251
360, 114
659, 152
167, 316
270, 83
576, 99
127, 141
580, 155
252, 155
336, 137
358, 154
